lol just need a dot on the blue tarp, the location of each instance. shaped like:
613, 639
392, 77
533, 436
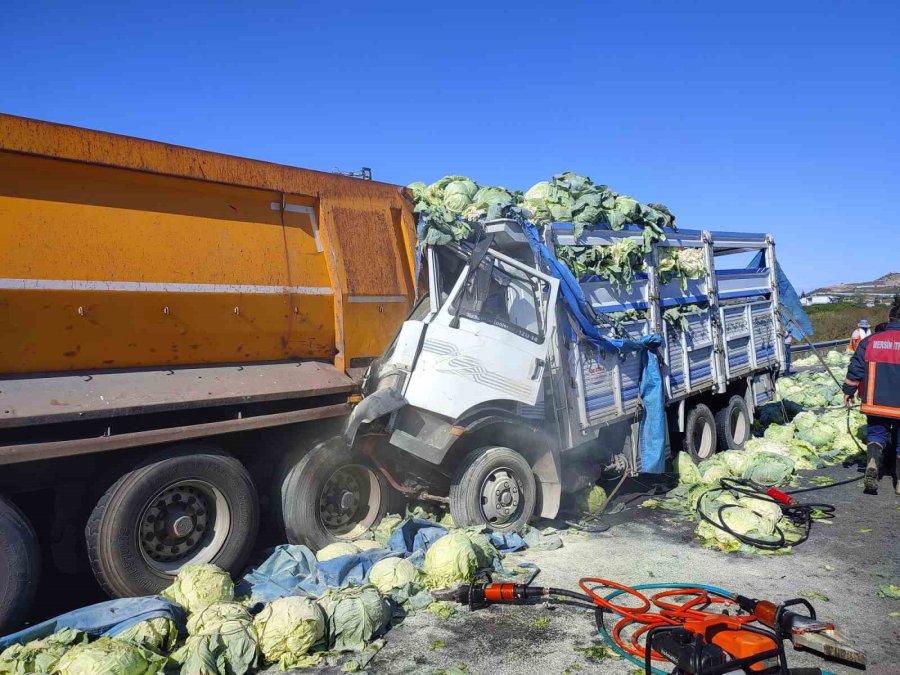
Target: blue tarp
104, 619
790, 301
292, 569
415, 534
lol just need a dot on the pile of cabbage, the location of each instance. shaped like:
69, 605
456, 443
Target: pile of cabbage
699, 486
789, 438
836, 360
812, 389
449, 207
452, 204
225, 636
138, 651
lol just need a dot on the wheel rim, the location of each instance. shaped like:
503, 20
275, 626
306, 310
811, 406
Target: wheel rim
501, 497
703, 437
186, 522
738, 426
349, 501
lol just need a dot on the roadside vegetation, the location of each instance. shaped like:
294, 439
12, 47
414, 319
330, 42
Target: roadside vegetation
838, 319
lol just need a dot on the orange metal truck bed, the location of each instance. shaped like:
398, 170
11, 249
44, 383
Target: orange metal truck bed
117, 252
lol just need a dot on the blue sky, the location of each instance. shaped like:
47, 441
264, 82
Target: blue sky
781, 117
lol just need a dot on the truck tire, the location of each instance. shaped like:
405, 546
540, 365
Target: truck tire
733, 424
332, 494
495, 487
20, 562
190, 504
700, 440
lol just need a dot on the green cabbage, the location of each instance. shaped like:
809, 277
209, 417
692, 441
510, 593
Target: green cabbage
735, 461
336, 550
713, 469
818, 435
681, 264
212, 617
768, 512
355, 616
766, 445
383, 531
450, 560
158, 635
418, 190
197, 586
781, 433
591, 499
108, 656
687, 470
485, 552
535, 201
287, 629
768, 468
390, 573
221, 641
458, 194
804, 420
490, 203
39, 656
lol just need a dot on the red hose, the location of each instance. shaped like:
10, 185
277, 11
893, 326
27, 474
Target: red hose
669, 613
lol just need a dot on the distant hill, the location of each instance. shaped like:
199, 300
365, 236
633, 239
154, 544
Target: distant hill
882, 288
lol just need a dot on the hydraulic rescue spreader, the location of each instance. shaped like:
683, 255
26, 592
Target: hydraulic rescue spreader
698, 629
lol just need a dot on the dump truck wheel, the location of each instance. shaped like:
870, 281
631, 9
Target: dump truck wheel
332, 494
733, 424
700, 440
493, 487
191, 504
20, 562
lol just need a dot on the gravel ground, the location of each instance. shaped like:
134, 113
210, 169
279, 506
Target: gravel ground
648, 546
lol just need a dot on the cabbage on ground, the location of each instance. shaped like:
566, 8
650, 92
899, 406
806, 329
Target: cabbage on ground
355, 616
221, 641
288, 629
450, 560
108, 656
391, 573
336, 550
158, 635
39, 656
198, 586
485, 551
383, 531
591, 500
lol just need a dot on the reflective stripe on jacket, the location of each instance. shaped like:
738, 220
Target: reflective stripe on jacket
880, 387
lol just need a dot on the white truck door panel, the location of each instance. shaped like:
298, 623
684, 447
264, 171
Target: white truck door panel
475, 362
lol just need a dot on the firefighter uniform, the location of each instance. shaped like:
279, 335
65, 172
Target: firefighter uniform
874, 373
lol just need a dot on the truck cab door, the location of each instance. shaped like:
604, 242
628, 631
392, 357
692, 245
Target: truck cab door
489, 340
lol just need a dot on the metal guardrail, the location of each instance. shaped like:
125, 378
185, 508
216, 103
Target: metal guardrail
803, 347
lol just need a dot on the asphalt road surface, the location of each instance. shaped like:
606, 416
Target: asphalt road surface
841, 561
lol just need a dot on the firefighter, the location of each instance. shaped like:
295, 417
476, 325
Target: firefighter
858, 335
874, 372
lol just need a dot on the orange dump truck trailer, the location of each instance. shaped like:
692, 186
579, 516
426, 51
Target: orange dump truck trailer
177, 329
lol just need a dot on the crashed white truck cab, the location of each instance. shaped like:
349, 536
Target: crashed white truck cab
491, 399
